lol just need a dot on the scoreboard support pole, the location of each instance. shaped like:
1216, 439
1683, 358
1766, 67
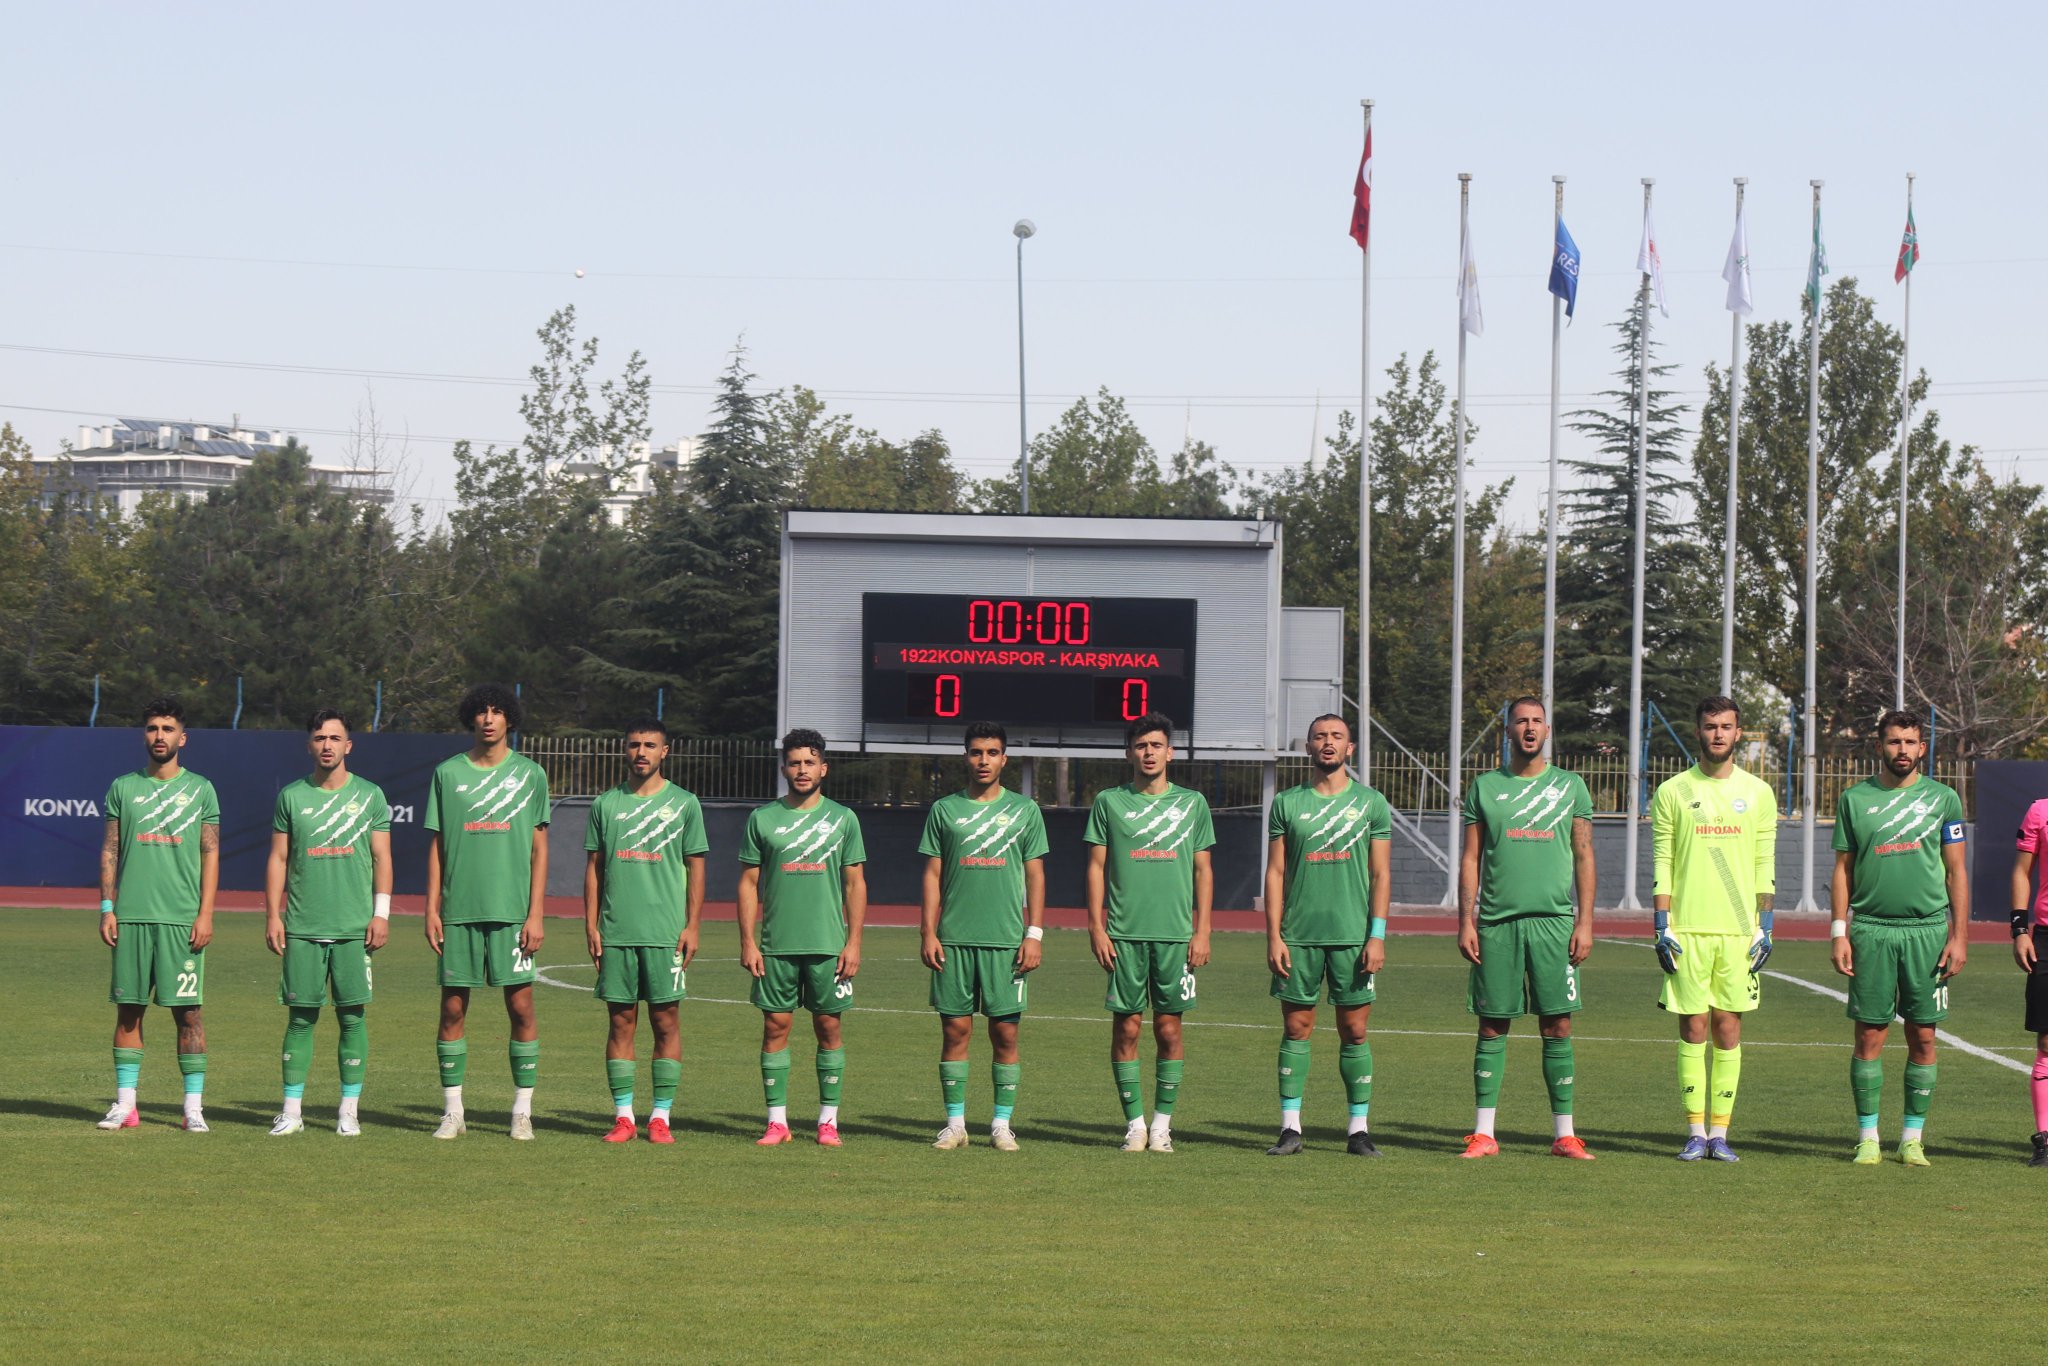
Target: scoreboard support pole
1027, 777
1269, 787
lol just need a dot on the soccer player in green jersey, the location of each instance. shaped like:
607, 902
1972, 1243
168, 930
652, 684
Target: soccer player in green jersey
643, 896
1528, 862
1149, 890
1901, 930
487, 875
327, 908
984, 918
1715, 833
159, 866
803, 896
1327, 885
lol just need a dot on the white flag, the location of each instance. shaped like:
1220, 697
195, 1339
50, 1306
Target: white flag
1651, 264
1736, 271
1470, 317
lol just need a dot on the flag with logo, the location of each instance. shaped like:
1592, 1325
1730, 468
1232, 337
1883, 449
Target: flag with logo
1361, 198
1469, 315
1736, 270
1564, 269
1816, 264
1909, 249
1650, 263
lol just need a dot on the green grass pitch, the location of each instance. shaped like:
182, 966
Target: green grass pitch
157, 1244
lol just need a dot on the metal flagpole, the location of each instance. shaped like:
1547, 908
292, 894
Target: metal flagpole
1635, 651
1024, 228
1812, 765
1905, 434
1454, 761
1364, 735
1550, 530
1734, 449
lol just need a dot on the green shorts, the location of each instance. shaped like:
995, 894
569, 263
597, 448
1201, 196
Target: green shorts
635, 972
979, 980
157, 959
1154, 969
1524, 967
309, 964
485, 953
1311, 965
1712, 971
1896, 972
810, 980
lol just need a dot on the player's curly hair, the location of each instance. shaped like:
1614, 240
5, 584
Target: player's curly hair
1901, 720
164, 706
803, 737
490, 697
323, 716
1716, 706
986, 730
648, 725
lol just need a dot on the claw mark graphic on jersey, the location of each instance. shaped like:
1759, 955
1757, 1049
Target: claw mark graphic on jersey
1544, 807
1173, 817
989, 834
663, 826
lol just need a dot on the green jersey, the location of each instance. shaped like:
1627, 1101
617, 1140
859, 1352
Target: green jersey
1716, 844
486, 818
982, 848
1327, 841
327, 872
1525, 840
1897, 835
1148, 868
644, 844
157, 879
802, 856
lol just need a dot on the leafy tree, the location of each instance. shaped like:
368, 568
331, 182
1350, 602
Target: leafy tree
837, 465
1093, 461
1596, 565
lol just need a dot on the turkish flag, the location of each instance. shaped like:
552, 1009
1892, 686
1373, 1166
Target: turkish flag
1361, 197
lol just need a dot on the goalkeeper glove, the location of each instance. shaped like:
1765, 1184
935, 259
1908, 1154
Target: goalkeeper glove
1668, 952
1760, 947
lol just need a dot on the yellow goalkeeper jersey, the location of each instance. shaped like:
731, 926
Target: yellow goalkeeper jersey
1716, 849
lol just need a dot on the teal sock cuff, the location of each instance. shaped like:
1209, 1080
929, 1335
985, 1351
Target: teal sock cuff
1360, 1111
351, 1089
127, 1066
193, 1067
295, 1092
1913, 1123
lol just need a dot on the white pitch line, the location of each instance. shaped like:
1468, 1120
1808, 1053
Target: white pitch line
1955, 1041
541, 975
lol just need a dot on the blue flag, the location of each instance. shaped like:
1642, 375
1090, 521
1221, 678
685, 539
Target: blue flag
1564, 269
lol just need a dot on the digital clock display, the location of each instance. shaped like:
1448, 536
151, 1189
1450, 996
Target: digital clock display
1086, 663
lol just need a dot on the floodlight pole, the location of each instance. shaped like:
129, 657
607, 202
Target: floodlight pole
1023, 228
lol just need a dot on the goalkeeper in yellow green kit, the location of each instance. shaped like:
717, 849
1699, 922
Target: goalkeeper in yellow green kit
1716, 834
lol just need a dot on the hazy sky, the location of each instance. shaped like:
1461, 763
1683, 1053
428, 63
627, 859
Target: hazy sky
310, 206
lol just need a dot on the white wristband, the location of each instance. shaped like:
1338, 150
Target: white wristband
1838, 929
381, 904
1034, 932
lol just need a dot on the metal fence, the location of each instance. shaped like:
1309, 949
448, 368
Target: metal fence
746, 771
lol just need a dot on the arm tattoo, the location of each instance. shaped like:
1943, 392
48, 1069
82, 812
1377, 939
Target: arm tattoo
209, 838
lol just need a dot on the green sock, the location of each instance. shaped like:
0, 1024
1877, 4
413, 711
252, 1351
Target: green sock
1127, 1089
298, 1048
352, 1049
953, 1088
1294, 1062
1727, 1076
775, 1077
1919, 1096
1354, 1065
831, 1065
1489, 1061
1007, 1075
453, 1055
1866, 1084
192, 1066
525, 1060
618, 1075
127, 1068
668, 1075
1166, 1084
1558, 1074
1692, 1083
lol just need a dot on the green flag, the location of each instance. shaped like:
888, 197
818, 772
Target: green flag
1817, 266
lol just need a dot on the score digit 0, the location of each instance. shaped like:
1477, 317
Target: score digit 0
1003, 621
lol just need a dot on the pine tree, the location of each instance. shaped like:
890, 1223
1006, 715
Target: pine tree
1596, 566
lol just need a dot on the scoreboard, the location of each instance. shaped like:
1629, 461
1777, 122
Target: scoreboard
898, 629
1068, 662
